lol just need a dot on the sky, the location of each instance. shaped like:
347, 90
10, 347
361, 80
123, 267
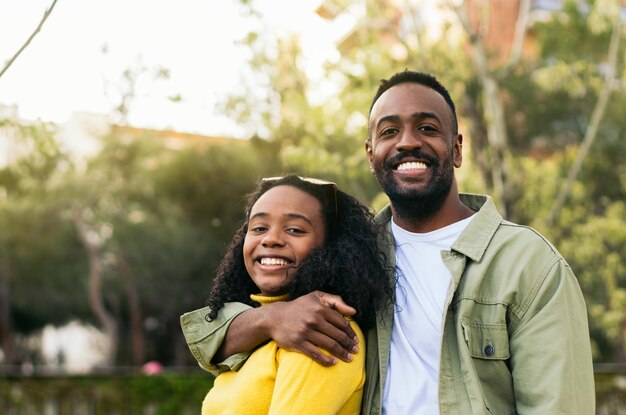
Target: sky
65, 69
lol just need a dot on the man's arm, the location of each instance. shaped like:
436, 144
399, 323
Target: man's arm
305, 324
551, 358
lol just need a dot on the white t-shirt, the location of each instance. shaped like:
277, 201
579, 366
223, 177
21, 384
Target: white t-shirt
412, 384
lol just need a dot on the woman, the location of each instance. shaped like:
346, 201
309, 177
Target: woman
299, 235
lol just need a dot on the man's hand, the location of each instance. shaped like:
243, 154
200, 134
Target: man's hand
311, 322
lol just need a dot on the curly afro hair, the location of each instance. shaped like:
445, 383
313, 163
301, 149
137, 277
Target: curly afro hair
350, 263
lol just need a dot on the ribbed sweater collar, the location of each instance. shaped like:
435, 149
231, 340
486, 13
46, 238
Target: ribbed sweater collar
265, 299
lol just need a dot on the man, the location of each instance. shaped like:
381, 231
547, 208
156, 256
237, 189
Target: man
488, 317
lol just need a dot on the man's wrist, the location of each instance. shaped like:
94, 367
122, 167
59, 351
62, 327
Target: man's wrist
263, 321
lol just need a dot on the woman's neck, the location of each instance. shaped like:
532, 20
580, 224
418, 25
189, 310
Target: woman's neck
267, 299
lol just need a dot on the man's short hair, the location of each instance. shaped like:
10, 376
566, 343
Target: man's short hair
421, 78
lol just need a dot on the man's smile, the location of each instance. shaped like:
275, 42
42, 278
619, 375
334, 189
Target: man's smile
411, 165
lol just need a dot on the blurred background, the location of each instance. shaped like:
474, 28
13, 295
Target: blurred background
131, 131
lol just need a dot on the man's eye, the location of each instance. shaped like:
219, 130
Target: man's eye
428, 128
388, 131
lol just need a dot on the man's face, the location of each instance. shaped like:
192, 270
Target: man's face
413, 149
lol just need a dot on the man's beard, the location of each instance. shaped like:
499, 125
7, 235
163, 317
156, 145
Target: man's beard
422, 203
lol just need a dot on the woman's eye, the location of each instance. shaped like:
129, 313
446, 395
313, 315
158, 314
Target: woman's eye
258, 229
295, 230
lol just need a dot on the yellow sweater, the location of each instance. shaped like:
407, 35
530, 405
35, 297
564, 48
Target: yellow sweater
280, 382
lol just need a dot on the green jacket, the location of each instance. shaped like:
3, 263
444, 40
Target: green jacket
515, 338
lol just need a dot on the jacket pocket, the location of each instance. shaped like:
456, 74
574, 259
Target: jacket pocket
485, 340
488, 347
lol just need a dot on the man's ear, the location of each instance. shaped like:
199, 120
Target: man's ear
370, 154
457, 150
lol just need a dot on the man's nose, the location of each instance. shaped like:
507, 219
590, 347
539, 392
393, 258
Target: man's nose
409, 140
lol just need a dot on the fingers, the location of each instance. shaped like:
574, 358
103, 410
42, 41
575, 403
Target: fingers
313, 323
316, 354
310, 342
329, 330
333, 311
335, 326
335, 341
335, 302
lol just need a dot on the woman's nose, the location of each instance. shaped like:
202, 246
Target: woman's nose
272, 238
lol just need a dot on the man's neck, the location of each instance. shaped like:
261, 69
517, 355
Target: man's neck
451, 211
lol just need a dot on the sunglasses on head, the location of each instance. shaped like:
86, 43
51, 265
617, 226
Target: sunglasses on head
332, 187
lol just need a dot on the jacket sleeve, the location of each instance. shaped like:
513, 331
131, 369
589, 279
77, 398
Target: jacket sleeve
551, 360
304, 387
205, 337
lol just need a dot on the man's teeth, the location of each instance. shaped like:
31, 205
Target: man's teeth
413, 165
273, 261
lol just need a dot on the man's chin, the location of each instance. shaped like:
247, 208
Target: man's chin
408, 197
406, 191
416, 196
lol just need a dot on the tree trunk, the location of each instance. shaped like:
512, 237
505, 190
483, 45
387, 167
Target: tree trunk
136, 315
620, 347
594, 123
6, 332
181, 351
493, 115
93, 247
478, 131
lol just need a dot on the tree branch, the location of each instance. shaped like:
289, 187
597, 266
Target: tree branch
43, 19
594, 123
520, 35
93, 249
497, 137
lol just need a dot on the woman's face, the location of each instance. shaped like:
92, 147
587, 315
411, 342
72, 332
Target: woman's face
285, 225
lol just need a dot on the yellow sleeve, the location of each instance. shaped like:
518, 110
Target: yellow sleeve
305, 387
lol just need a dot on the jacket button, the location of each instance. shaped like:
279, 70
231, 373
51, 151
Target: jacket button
489, 350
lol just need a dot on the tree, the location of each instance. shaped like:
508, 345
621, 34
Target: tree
127, 241
35, 241
154, 223
534, 104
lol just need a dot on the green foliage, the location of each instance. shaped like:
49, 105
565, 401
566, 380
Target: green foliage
162, 218
597, 248
169, 215
168, 394
552, 95
160, 395
40, 256
47, 262
548, 99
41, 157
583, 38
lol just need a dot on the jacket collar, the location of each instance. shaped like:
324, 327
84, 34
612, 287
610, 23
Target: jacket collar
475, 238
